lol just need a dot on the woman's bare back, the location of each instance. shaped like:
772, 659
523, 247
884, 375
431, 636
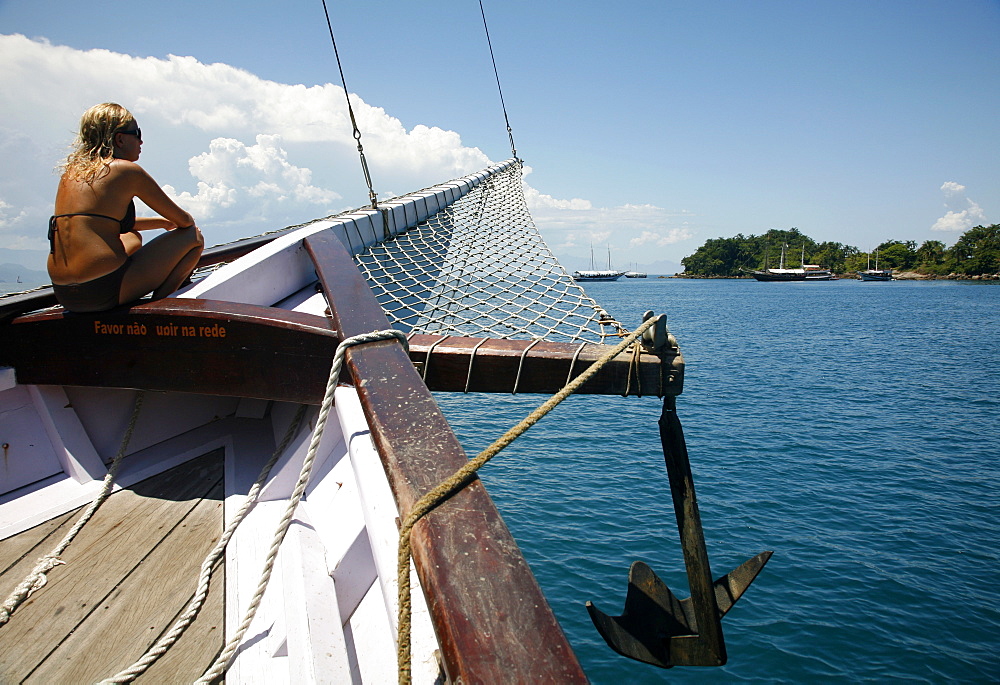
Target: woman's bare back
87, 247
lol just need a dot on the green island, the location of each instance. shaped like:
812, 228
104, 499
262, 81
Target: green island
976, 254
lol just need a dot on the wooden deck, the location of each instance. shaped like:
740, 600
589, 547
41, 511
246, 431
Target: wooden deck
128, 575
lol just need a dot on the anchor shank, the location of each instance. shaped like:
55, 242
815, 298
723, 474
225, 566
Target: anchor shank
703, 602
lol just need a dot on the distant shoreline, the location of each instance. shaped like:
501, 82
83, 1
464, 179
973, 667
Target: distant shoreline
902, 276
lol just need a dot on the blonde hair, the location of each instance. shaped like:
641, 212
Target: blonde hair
94, 147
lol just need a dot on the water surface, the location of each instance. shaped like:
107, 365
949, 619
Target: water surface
850, 427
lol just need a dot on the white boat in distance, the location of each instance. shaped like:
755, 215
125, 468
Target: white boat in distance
589, 275
593, 274
875, 274
806, 272
815, 272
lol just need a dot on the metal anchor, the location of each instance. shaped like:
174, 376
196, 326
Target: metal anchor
656, 627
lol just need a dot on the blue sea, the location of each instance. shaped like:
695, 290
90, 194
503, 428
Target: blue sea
852, 428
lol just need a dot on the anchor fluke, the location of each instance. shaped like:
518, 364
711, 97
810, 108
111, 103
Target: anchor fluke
651, 617
730, 587
659, 629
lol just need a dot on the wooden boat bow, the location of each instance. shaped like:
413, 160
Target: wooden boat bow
481, 625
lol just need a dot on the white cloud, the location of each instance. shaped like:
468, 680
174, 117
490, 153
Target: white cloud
8, 215
962, 213
245, 153
634, 233
646, 226
232, 174
662, 239
537, 200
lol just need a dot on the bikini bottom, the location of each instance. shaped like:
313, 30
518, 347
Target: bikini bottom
95, 295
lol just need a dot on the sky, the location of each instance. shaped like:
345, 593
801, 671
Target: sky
646, 127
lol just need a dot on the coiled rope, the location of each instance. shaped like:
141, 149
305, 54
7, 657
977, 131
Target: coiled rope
37, 578
462, 476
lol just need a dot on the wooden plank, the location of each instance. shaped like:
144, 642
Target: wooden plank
210, 346
114, 543
146, 604
497, 630
538, 367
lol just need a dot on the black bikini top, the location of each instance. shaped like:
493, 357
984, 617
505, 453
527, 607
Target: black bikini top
126, 223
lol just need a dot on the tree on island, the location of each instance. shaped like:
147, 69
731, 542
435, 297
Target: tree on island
976, 252
730, 257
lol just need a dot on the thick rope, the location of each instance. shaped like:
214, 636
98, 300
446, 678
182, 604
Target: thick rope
462, 476
37, 578
222, 661
207, 567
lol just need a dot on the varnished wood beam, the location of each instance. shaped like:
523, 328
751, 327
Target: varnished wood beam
181, 345
209, 347
459, 364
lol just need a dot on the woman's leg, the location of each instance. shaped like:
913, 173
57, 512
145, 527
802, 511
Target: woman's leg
162, 264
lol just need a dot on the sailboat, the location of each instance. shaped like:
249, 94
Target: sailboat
594, 274
815, 272
781, 273
875, 274
635, 273
806, 272
251, 480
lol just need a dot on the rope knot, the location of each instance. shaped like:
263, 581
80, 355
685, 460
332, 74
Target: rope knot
45, 564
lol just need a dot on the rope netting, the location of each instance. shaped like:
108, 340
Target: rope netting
479, 268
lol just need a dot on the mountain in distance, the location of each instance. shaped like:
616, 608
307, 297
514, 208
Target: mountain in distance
31, 259
26, 265
29, 278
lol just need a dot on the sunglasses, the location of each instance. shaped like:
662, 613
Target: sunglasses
137, 133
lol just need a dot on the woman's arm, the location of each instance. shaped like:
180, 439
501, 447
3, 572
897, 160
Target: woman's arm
142, 186
149, 223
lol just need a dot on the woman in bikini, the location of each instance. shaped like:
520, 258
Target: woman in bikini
96, 257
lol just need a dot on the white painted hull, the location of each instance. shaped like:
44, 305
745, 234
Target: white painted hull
876, 275
597, 275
